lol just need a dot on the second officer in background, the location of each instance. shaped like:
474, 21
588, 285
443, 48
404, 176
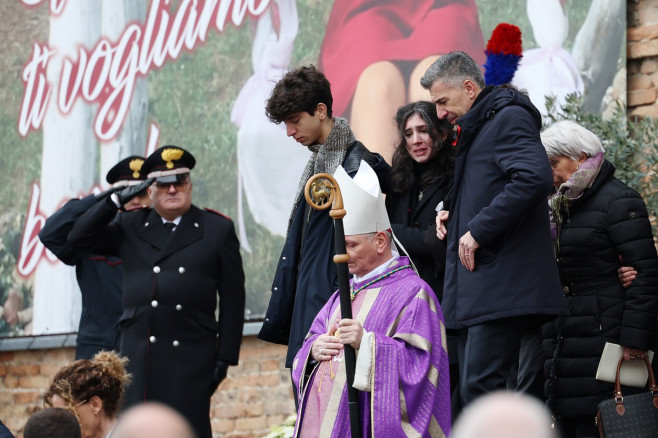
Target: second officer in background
100, 278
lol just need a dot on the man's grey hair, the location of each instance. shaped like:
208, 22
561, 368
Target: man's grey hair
453, 69
505, 414
571, 140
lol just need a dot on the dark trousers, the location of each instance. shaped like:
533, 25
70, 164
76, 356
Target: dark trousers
527, 375
487, 352
452, 337
578, 427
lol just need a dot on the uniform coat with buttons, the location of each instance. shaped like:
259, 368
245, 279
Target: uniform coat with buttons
171, 284
609, 220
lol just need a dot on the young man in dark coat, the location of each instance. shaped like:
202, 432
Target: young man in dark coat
177, 259
100, 278
306, 274
501, 279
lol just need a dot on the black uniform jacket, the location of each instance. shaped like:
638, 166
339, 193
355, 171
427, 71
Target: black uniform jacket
100, 279
168, 328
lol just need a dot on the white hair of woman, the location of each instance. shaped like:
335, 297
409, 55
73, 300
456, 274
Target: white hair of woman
569, 139
504, 414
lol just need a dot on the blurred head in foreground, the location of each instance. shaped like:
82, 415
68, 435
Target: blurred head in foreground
505, 415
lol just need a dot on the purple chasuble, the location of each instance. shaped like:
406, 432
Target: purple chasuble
408, 389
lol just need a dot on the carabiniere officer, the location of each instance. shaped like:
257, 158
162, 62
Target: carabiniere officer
177, 259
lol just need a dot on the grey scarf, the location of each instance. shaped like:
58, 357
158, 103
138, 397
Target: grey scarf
560, 202
326, 157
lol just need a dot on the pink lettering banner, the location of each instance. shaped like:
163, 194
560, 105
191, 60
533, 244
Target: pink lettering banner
88, 83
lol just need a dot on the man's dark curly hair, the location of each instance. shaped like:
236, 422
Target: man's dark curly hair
299, 90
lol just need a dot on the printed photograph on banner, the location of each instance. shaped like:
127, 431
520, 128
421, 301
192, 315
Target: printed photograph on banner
86, 84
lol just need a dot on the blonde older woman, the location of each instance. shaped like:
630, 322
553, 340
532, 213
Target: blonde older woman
596, 221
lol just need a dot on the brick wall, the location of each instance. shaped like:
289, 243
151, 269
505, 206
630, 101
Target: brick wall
256, 395
24, 376
642, 58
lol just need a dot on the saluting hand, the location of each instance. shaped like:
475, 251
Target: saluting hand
131, 192
106, 193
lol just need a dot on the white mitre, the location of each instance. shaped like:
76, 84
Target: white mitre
363, 201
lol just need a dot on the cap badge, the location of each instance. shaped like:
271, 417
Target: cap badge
136, 165
171, 154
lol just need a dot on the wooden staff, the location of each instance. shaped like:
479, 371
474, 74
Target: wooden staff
321, 192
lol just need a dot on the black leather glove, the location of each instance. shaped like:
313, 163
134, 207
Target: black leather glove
125, 195
219, 374
106, 193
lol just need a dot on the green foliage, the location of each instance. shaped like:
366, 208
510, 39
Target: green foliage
285, 430
631, 145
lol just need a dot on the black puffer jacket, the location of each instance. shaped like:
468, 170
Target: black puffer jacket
608, 221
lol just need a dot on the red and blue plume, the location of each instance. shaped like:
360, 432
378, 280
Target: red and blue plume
504, 51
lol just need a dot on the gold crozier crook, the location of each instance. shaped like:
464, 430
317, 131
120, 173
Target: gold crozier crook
321, 192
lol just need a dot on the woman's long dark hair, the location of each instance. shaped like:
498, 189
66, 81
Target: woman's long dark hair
403, 175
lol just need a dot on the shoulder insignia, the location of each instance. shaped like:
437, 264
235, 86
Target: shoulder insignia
217, 212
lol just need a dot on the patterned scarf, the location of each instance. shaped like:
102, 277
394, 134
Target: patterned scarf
326, 157
568, 192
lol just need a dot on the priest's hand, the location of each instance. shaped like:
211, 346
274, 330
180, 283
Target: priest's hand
351, 332
326, 347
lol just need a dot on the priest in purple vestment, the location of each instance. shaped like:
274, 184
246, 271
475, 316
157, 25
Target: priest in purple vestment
397, 331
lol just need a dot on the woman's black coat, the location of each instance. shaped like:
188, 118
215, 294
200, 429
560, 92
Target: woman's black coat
608, 221
414, 225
